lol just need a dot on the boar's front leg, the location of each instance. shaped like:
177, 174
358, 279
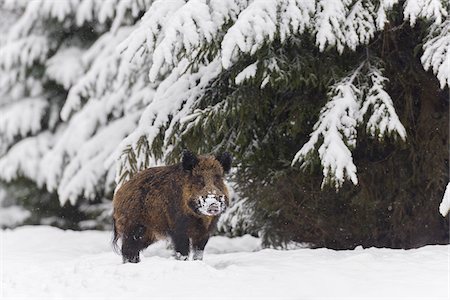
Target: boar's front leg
180, 241
181, 245
198, 245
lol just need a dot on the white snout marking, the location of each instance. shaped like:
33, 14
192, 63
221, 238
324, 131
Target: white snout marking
206, 203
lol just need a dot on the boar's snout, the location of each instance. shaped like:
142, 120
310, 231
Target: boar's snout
213, 209
211, 204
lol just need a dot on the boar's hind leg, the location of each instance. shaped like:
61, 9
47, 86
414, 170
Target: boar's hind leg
198, 246
133, 242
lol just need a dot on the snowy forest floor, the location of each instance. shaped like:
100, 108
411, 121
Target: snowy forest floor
49, 263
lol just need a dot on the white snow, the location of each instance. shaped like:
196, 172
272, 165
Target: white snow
444, 208
41, 262
13, 215
65, 67
25, 156
248, 73
21, 118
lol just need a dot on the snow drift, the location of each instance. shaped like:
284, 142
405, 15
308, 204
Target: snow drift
49, 263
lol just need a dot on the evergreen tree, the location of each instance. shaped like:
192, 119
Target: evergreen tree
324, 103
54, 55
257, 75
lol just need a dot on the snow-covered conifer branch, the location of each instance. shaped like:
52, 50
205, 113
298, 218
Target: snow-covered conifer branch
330, 15
190, 27
346, 23
24, 157
359, 25
126, 6
21, 118
83, 176
73, 12
265, 67
436, 53
149, 31
434, 10
65, 67
25, 52
97, 97
294, 17
258, 25
247, 73
383, 8
335, 131
103, 64
174, 99
383, 118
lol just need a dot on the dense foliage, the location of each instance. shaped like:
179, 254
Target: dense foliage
336, 111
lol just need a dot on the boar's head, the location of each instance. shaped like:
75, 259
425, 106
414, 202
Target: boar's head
206, 192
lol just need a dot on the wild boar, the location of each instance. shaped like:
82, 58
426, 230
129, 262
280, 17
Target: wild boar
181, 202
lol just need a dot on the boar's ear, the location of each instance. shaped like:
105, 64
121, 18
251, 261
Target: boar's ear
189, 160
225, 160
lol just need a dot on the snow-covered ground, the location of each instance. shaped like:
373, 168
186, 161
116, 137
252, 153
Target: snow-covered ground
49, 263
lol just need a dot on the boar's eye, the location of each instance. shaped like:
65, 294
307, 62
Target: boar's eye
199, 180
217, 178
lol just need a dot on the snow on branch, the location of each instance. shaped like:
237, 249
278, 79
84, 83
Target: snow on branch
148, 32
223, 11
436, 53
384, 7
247, 73
345, 23
173, 100
267, 68
428, 9
25, 52
336, 133
444, 208
65, 67
330, 15
76, 145
294, 16
102, 63
21, 118
190, 27
359, 27
258, 24
23, 159
383, 118
84, 176
181, 29
73, 12
174, 97
125, 7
